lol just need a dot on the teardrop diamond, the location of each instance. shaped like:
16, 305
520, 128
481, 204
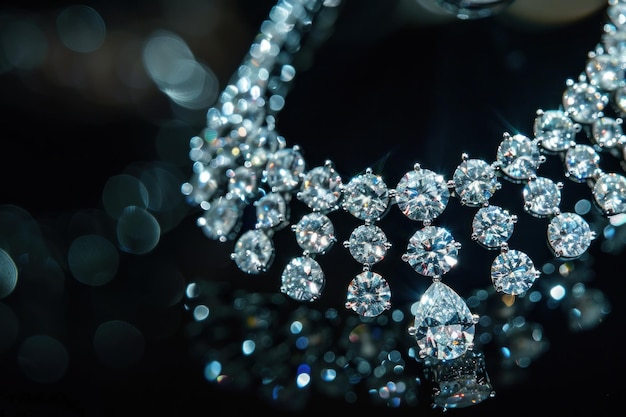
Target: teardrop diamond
444, 325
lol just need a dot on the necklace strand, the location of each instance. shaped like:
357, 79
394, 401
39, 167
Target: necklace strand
241, 161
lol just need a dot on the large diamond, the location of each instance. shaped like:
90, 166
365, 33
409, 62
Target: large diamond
444, 325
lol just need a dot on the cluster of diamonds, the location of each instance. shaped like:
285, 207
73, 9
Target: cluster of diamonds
240, 161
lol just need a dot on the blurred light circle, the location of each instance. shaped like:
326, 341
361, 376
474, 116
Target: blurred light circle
23, 44
118, 344
93, 260
43, 358
121, 191
162, 57
8, 274
81, 28
138, 232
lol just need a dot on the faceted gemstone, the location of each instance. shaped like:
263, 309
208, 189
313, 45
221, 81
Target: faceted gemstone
321, 188
460, 382
368, 294
432, 251
492, 226
607, 132
584, 102
303, 279
513, 272
243, 183
581, 162
422, 194
609, 192
605, 71
285, 169
254, 252
554, 130
444, 326
368, 244
541, 197
221, 220
475, 182
259, 147
569, 235
366, 197
315, 233
271, 211
518, 157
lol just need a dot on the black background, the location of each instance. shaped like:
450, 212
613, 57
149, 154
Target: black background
382, 92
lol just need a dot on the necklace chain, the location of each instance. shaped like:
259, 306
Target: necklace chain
241, 164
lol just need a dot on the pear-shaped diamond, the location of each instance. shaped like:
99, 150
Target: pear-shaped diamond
444, 324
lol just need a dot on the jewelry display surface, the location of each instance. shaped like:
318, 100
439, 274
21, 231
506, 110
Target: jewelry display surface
382, 105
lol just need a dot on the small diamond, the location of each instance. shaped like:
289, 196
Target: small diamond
518, 157
554, 130
284, 169
432, 251
581, 162
513, 272
368, 244
315, 233
542, 197
584, 102
321, 188
303, 279
475, 182
368, 294
422, 194
221, 220
609, 193
254, 252
271, 211
366, 197
569, 235
492, 226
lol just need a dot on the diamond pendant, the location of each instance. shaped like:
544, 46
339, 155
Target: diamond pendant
444, 325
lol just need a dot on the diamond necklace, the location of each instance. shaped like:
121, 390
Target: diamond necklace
242, 165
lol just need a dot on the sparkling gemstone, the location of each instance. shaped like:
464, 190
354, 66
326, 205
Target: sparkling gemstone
584, 102
444, 326
368, 244
271, 211
475, 182
554, 130
492, 226
513, 272
368, 294
315, 233
303, 279
541, 197
366, 197
569, 235
518, 157
607, 132
605, 71
321, 188
609, 192
259, 147
432, 251
422, 194
222, 219
254, 252
581, 162
285, 169
243, 183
